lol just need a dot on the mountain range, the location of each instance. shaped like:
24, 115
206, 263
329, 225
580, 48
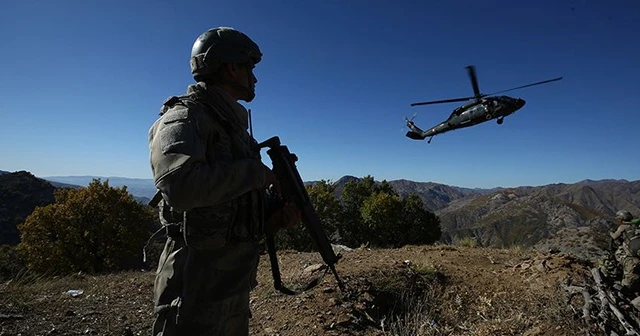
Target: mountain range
138, 187
572, 217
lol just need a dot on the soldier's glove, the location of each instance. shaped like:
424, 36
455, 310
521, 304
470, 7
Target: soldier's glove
271, 181
283, 218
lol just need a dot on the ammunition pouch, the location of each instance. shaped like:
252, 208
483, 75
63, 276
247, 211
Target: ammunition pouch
210, 228
172, 221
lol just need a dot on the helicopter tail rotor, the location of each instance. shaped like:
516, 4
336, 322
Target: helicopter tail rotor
408, 122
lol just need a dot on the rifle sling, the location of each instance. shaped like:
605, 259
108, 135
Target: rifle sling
275, 271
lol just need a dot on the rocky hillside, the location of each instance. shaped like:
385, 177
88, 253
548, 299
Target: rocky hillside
20, 193
568, 217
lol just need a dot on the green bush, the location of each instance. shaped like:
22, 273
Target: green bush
94, 229
366, 213
382, 216
329, 211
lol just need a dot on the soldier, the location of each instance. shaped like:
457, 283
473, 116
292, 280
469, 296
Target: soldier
215, 205
627, 237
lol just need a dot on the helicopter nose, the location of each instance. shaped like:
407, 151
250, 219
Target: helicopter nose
520, 103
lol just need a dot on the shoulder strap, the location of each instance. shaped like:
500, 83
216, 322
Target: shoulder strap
171, 102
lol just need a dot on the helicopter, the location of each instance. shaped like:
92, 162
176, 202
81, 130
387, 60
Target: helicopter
481, 108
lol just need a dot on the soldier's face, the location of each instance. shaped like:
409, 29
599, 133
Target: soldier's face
247, 80
241, 81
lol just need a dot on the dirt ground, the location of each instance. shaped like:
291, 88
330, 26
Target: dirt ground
416, 290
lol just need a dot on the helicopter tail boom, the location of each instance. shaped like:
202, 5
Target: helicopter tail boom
415, 135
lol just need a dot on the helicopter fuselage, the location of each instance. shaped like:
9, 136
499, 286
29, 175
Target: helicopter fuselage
470, 114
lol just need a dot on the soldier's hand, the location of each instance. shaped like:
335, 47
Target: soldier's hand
284, 218
271, 180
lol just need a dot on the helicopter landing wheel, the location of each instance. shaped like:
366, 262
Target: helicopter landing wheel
500, 121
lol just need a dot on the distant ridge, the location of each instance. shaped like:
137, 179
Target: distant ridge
145, 188
140, 188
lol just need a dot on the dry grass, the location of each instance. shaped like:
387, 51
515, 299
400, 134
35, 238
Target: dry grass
455, 309
466, 242
446, 311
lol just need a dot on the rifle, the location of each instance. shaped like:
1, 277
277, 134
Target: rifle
607, 300
293, 190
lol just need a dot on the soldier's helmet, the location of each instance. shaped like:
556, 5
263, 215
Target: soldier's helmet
221, 45
624, 215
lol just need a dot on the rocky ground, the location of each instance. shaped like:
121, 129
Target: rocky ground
417, 290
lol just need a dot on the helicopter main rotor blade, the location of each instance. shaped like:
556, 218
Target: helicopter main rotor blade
524, 86
443, 101
474, 80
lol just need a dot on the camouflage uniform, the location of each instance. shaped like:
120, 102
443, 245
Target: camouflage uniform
212, 178
627, 253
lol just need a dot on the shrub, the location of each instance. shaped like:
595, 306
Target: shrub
467, 242
366, 213
329, 211
94, 229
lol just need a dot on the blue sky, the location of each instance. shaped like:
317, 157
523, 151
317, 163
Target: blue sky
82, 82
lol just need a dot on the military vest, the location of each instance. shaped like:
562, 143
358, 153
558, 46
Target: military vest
238, 220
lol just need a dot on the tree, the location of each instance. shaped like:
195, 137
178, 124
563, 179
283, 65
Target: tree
420, 225
355, 192
394, 222
368, 212
94, 229
327, 205
381, 215
352, 229
328, 209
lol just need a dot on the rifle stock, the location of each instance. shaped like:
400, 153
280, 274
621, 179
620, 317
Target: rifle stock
293, 190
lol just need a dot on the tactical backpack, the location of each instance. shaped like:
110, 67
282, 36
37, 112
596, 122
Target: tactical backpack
632, 237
